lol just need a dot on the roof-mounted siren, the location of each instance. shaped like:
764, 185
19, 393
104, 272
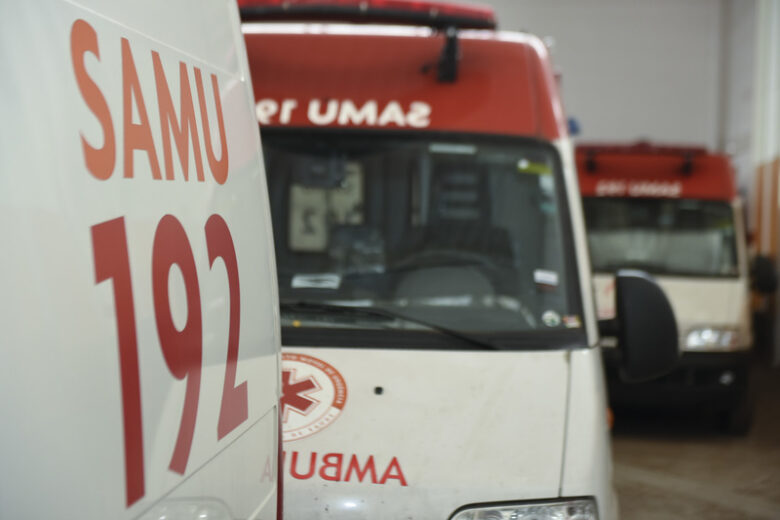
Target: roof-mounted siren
590, 161
445, 17
687, 165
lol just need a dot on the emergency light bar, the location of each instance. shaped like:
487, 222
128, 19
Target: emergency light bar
641, 147
403, 12
686, 153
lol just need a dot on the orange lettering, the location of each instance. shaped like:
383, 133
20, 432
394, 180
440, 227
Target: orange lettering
219, 167
312, 466
336, 466
354, 465
398, 475
99, 161
137, 136
169, 125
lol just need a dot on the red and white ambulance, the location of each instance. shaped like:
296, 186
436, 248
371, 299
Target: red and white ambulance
438, 326
141, 342
674, 212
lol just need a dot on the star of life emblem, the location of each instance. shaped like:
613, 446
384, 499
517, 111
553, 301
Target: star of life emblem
313, 395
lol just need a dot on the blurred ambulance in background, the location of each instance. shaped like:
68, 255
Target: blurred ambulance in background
674, 213
140, 347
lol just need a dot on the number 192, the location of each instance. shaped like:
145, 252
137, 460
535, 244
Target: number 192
181, 349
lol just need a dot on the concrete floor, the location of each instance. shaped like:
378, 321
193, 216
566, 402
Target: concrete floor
680, 467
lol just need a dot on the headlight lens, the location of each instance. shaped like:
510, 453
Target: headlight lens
580, 509
712, 338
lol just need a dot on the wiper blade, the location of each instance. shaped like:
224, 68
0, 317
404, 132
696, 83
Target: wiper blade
382, 313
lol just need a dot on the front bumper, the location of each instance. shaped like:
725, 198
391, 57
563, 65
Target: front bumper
710, 381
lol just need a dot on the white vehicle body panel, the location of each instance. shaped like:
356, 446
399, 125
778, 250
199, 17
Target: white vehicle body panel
697, 302
587, 461
64, 439
710, 303
464, 426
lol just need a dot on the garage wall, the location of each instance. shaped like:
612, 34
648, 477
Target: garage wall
633, 68
739, 96
766, 133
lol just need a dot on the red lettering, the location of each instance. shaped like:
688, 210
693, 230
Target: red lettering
335, 464
99, 161
219, 167
312, 466
109, 243
393, 471
136, 136
332, 469
169, 124
354, 465
235, 406
182, 349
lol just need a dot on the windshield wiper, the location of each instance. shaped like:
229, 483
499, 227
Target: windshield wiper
383, 313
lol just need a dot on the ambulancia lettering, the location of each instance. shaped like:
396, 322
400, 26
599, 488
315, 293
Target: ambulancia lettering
342, 467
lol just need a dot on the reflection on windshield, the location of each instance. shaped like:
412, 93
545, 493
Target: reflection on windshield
662, 236
461, 234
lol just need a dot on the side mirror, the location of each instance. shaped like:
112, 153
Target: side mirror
644, 326
764, 277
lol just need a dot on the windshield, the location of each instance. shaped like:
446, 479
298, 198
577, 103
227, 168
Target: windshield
683, 237
462, 233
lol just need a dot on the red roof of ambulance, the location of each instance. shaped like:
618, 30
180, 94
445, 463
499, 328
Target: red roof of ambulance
505, 81
645, 170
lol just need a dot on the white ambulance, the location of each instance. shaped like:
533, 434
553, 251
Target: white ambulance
140, 330
440, 351
674, 211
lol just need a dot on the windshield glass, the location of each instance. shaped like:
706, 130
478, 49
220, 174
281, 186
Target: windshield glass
466, 233
683, 237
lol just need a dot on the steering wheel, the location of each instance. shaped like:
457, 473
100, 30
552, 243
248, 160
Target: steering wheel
446, 257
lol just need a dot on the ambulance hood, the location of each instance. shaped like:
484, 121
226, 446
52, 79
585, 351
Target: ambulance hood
697, 302
397, 434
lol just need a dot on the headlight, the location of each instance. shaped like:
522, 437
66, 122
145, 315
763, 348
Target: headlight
579, 509
712, 338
